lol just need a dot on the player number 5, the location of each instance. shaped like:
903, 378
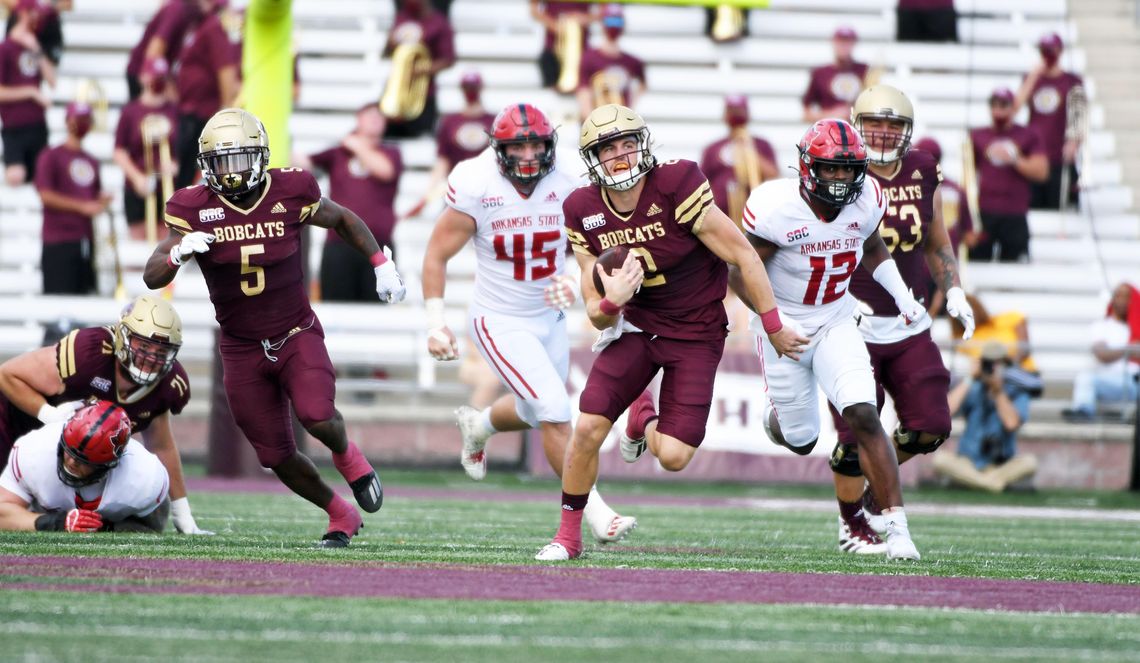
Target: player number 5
258, 285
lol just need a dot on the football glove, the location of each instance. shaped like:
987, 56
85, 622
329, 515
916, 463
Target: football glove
51, 413
195, 242
959, 309
75, 520
389, 284
911, 311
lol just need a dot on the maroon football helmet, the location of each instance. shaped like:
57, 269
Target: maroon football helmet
96, 435
835, 143
523, 123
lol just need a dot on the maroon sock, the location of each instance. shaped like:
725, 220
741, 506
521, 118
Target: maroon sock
351, 464
570, 529
869, 503
849, 510
343, 517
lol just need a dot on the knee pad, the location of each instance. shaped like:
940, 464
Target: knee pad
917, 442
845, 460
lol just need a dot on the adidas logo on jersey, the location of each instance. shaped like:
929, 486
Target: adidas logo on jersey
853, 226
916, 175
278, 208
551, 197
653, 209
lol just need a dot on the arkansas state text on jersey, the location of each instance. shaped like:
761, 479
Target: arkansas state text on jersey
253, 268
685, 282
810, 272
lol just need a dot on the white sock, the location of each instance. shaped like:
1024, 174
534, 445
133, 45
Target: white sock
485, 421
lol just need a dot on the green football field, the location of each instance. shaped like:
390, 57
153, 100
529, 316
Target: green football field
445, 572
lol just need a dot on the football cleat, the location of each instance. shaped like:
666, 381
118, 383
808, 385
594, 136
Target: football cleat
368, 492
473, 457
553, 552
899, 543
334, 540
632, 440
858, 538
613, 530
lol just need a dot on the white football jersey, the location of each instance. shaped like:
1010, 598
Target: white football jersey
135, 487
519, 242
811, 270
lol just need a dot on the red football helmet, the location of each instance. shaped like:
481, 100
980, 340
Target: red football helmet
834, 143
96, 435
523, 123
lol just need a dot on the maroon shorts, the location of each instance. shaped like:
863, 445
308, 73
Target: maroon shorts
260, 390
623, 370
912, 372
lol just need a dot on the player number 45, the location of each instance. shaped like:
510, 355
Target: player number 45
513, 249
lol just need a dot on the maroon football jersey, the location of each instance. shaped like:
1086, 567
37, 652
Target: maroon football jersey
351, 185
253, 269
1001, 189
459, 137
717, 165
623, 69
1049, 111
72, 173
831, 84
910, 211
129, 135
557, 9
684, 281
20, 67
85, 359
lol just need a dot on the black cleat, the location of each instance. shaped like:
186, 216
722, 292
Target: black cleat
368, 492
333, 540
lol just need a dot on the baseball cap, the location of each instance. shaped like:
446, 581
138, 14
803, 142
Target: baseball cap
845, 33
1051, 42
78, 109
1003, 94
471, 79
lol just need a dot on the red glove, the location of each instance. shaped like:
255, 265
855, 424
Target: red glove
83, 520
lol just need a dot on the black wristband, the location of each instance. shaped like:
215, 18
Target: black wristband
55, 521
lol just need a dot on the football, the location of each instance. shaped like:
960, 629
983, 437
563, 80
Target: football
610, 259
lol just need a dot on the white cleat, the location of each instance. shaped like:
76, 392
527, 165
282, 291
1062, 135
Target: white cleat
899, 543
553, 552
631, 449
613, 530
473, 457
860, 543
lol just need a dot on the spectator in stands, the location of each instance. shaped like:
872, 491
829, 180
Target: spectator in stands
23, 70
163, 38
151, 109
994, 400
926, 20
46, 24
1116, 351
363, 176
441, 6
833, 87
955, 214
207, 82
1047, 90
419, 23
1009, 328
1008, 158
609, 75
549, 15
460, 136
67, 179
739, 162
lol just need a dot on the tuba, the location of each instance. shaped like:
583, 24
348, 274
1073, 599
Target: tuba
728, 23
405, 93
569, 51
748, 176
156, 138
89, 92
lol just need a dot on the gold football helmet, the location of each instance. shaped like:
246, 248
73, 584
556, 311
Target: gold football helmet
886, 103
147, 339
233, 152
607, 123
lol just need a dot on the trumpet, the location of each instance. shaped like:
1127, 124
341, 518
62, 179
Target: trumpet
746, 168
728, 23
89, 92
405, 93
607, 89
569, 51
156, 138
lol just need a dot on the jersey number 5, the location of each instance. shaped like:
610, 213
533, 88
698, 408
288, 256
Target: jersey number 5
845, 261
538, 251
258, 272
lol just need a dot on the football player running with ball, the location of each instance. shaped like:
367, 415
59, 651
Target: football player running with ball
812, 233
662, 309
509, 199
906, 361
243, 226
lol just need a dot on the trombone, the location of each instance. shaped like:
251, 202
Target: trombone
970, 186
748, 176
1076, 128
89, 92
156, 138
569, 51
405, 92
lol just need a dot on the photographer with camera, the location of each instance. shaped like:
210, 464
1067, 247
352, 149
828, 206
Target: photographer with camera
994, 400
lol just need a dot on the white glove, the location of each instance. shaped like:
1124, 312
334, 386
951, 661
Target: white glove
195, 242
959, 308
560, 294
183, 519
389, 285
910, 310
62, 412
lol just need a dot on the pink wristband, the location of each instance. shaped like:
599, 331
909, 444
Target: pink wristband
771, 321
170, 263
608, 307
378, 259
